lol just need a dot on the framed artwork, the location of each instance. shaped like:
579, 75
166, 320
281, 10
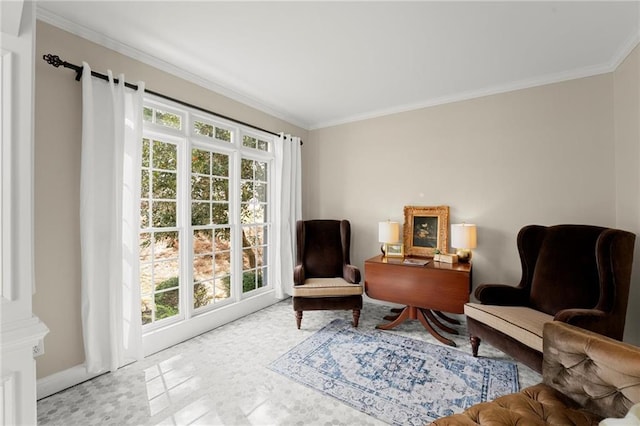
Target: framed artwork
395, 250
426, 229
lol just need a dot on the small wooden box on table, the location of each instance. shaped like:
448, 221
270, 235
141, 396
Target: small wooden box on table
427, 291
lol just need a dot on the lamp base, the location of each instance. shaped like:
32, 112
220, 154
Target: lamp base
464, 255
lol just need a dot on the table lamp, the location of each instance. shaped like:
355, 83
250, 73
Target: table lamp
388, 233
464, 238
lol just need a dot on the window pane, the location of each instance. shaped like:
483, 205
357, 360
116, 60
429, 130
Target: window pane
222, 263
144, 214
249, 141
220, 213
223, 134
163, 214
248, 281
204, 129
200, 214
220, 190
200, 161
145, 152
165, 155
261, 170
261, 280
223, 238
203, 241
165, 185
202, 294
200, 188
246, 171
220, 165
246, 191
222, 288
263, 145
168, 119
167, 304
248, 258
147, 114
202, 268
144, 184
261, 192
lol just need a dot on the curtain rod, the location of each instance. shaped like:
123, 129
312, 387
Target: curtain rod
57, 62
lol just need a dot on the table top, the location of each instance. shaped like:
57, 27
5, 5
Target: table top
461, 267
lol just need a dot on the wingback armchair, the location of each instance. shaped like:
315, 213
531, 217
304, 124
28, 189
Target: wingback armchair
577, 274
323, 277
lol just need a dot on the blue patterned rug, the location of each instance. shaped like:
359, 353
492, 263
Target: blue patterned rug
394, 378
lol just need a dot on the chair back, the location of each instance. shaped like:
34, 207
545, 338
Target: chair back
323, 247
577, 267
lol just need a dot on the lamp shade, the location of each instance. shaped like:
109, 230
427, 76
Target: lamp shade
389, 232
464, 236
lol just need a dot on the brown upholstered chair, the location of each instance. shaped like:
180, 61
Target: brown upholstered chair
577, 274
323, 277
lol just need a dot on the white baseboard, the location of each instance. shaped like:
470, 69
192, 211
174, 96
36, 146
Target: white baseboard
62, 380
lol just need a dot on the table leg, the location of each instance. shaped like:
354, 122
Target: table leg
402, 317
396, 311
423, 319
446, 318
429, 313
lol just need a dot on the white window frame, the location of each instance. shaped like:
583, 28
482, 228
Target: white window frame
187, 139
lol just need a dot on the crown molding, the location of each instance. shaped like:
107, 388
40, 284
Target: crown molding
86, 33
590, 71
124, 49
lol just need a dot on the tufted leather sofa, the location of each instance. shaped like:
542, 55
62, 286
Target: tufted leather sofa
586, 377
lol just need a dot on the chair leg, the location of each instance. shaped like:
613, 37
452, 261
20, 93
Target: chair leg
356, 317
298, 318
475, 344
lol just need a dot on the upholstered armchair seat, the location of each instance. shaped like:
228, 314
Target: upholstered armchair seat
577, 274
323, 277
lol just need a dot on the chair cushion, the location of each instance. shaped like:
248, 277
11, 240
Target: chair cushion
521, 323
536, 405
326, 287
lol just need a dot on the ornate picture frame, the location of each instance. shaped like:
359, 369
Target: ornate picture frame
395, 250
426, 229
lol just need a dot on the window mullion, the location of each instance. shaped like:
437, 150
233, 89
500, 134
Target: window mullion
184, 201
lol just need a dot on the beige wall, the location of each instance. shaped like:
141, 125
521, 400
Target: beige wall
57, 173
627, 164
543, 155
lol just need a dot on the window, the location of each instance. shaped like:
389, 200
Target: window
205, 214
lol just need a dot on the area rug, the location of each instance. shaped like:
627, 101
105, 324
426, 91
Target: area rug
396, 379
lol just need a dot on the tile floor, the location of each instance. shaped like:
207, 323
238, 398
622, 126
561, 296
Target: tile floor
220, 378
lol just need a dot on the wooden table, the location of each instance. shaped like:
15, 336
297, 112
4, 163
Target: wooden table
426, 291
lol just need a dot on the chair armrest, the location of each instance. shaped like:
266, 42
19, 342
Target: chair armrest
351, 274
589, 319
599, 373
503, 295
298, 275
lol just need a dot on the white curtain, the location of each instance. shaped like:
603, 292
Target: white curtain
288, 210
109, 221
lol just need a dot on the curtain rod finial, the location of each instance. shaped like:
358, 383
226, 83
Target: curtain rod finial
53, 60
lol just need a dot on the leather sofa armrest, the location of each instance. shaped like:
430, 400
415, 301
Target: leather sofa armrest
351, 274
599, 373
503, 295
298, 275
589, 319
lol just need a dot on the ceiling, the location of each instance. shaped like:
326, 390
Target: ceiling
317, 64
